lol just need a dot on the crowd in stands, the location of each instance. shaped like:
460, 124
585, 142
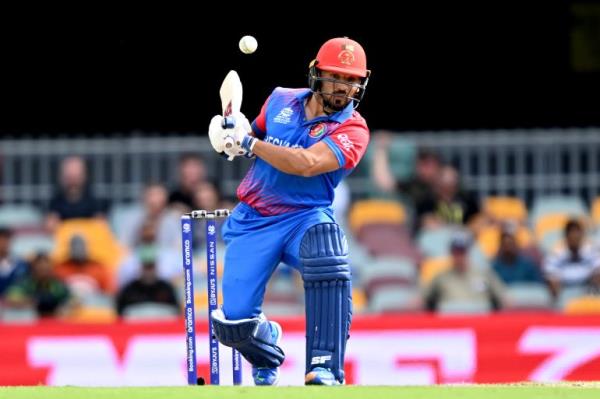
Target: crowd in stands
421, 243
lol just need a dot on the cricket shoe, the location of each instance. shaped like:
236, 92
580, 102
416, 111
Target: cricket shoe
269, 375
320, 376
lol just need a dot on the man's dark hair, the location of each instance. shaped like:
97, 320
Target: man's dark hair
573, 225
426, 153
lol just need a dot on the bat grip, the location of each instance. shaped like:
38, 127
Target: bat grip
228, 122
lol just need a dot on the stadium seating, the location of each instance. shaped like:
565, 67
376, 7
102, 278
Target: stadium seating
396, 299
376, 212
431, 267
595, 213
545, 205
388, 240
435, 243
150, 311
463, 307
528, 296
101, 243
25, 245
18, 216
587, 304
488, 239
388, 272
506, 209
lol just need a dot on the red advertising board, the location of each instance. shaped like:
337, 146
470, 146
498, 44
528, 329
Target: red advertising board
419, 349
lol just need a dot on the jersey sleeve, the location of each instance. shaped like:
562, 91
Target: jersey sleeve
259, 125
349, 143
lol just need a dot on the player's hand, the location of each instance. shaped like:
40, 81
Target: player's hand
236, 130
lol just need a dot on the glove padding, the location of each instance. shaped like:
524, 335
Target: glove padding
221, 136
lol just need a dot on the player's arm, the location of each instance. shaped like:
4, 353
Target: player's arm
307, 162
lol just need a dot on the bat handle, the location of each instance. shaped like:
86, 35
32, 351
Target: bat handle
228, 122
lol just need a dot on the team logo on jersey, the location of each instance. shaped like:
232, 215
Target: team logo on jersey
346, 56
317, 130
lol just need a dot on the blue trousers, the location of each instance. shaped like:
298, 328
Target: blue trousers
256, 244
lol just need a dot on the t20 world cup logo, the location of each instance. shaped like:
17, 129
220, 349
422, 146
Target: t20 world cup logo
211, 230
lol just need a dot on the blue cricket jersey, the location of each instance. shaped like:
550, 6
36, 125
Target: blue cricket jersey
282, 121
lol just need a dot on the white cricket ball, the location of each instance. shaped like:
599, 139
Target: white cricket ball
248, 44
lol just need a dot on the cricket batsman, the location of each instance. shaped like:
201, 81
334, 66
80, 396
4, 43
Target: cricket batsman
304, 142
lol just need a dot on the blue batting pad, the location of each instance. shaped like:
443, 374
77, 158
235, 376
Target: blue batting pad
328, 291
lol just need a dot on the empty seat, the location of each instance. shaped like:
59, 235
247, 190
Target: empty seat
435, 243
569, 205
388, 271
18, 316
567, 294
120, 217
92, 314
431, 267
282, 309
388, 240
596, 211
506, 208
529, 296
549, 223
463, 307
395, 299
25, 245
376, 212
18, 216
150, 311
583, 305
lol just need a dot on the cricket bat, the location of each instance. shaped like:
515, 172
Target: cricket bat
231, 101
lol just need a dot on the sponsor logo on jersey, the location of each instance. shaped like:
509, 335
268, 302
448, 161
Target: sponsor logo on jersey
284, 116
317, 130
345, 141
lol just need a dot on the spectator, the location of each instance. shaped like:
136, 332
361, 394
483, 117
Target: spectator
206, 196
73, 198
83, 275
154, 209
427, 170
450, 204
577, 265
192, 173
417, 188
146, 249
147, 288
463, 283
11, 270
512, 266
40, 289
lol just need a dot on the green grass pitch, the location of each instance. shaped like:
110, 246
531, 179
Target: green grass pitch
511, 391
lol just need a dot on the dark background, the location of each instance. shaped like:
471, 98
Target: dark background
504, 65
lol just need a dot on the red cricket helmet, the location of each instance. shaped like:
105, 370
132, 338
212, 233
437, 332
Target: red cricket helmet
342, 55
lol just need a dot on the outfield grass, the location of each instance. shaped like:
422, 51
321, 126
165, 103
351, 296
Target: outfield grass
515, 391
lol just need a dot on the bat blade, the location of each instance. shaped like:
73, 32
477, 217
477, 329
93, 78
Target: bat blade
231, 94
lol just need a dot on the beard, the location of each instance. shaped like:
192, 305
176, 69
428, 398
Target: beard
335, 102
